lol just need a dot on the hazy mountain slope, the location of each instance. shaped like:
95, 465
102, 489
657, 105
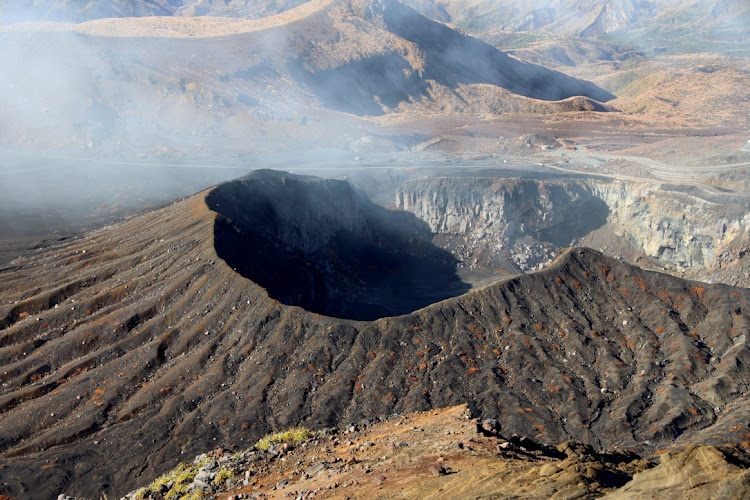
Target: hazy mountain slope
453, 57
137, 347
82, 10
125, 86
563, 17
720, 19
682, 26
251, 9
86, 10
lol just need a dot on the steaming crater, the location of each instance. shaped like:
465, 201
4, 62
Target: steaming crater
319, 244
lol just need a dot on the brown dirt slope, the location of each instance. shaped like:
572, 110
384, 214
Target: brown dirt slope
136, 347
695, 473
447, 454
435, 454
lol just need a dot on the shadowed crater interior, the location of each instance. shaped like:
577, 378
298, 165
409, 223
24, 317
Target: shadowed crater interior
319, 244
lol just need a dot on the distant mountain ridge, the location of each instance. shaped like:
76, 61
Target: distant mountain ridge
83, 10
585, 18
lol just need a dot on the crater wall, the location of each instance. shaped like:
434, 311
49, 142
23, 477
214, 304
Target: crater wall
522, 224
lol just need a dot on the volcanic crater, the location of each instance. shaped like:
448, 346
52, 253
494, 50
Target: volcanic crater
319, 244
137, 346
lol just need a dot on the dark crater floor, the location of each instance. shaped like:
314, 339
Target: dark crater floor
321, 245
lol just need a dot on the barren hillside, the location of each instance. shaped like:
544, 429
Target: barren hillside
448, 454
460, 156
137, 347
176, 87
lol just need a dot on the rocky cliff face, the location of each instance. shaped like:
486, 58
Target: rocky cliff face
676, 229
487, 222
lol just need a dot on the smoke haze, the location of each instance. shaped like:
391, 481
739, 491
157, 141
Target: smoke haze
113, 121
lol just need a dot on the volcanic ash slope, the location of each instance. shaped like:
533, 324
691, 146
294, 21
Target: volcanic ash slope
136, 347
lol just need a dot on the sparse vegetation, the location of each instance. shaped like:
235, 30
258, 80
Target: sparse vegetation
186, 476
293, 435
196, 495
222, 476
174, 484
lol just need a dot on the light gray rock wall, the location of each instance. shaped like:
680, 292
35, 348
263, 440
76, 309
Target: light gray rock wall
675, 229
532, 219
